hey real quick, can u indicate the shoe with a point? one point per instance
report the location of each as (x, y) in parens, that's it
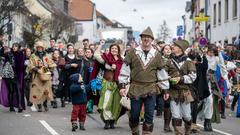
(63, 103)
(159, 114)
(74, 127)
(81, 126)
(167, 119)
(141, 121)
(112, 124)
(12, 109)
(45, 106)
(55, 104)
(208, 125)
(194, 128)
(223, 116)
(39, 108)
(52, 103)
(107, 125)
(29, 104)
(232, 107)
(20, 110)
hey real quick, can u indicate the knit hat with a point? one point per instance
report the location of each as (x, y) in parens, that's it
(39, 44)
(183, 44)
(147, 32)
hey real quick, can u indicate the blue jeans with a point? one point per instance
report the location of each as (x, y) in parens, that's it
(149, 106)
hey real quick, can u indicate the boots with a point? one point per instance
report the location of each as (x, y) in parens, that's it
(134, 128)
(11, 109)
(112, 122)
(208, 125)
(39, 106)
(147, 129)
(62, 103)
(29, 103)
(177, 123)
(187, 125)
(107, 124)
(194, 128)
(45, 106)
(167, 119)
(54, 103)
(74, 126)
(159, 114)
(81, 126)
(20, 110)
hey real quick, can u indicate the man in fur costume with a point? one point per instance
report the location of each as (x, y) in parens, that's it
(41, 87)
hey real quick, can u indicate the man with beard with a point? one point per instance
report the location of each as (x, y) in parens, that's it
(141, 66)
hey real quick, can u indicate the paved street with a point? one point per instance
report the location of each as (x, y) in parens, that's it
(56, 122)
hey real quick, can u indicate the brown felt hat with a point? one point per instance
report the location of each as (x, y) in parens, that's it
(147, 32)
(39, 44)
(183, 44)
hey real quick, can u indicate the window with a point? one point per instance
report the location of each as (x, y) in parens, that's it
(235, 8)
(66, 6)
(219, 12)
(214, 14)
(226, 10)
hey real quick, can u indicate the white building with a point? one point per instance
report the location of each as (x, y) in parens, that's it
(84, 11)
(225, 20)
(188, 23)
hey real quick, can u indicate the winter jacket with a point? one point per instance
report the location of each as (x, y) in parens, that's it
(78, 90)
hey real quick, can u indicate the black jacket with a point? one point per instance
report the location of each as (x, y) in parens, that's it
(201, 82)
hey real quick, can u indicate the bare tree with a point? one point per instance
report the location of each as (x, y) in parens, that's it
(164, 32)
(8, 8)
(57, 24)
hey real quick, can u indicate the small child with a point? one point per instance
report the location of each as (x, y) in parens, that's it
(79, 100)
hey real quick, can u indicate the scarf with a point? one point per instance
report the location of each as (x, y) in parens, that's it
(109, 59)
(40, 55)
(180, 58)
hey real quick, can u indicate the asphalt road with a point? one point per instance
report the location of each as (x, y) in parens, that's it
(57, 122)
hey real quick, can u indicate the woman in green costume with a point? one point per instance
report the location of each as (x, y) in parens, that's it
(109, 102)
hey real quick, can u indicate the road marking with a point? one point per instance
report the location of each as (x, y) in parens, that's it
(33, 108)
(26, 115)
(215, 130)
(49, 128)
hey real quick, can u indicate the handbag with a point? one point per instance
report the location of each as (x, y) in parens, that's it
(125, 101)
(7, 71)
(45, 76)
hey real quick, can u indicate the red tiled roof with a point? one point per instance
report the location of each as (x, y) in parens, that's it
(107, 21)
(81, 10)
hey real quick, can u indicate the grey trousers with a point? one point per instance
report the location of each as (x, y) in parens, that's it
(207, 110)
(181, 110)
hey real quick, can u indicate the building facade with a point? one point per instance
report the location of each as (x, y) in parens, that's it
(225, 21)
(84, 12)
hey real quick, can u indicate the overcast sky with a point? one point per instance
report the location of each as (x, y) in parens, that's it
(153, 11)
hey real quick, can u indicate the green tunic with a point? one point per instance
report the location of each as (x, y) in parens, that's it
(143, 77)
(113, 104)
(181, 91)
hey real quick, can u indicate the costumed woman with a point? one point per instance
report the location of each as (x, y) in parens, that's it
(109, 102)
(41, 86)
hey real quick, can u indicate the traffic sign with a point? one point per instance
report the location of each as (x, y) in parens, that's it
(203, 41)
(179, 30)
(201, 18)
